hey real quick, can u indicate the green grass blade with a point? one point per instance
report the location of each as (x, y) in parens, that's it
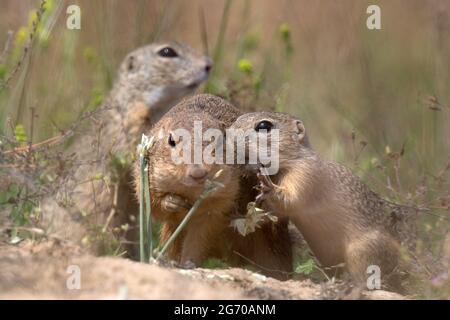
(141, 211)
(148, 211)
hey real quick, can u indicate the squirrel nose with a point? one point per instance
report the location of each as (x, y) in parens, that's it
(197, 172)
(208, 66)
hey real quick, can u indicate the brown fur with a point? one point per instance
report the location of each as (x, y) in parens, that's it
(208, 233)
(147, 85)
(341, 219)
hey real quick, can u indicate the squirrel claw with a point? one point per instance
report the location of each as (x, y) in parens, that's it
(188, 265)
(260, 197)
(265, 186)
(173, 204)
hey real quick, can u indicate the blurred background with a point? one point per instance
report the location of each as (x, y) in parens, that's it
(375, 100)
(315, 59)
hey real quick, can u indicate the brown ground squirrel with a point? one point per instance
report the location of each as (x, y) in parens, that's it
(151, 79)
(341, 219)
(175, 187)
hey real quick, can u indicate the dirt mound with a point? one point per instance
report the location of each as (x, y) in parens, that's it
(48, 269)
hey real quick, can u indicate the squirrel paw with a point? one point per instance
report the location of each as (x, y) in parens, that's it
(265, 186)
(174, 204)
(188, 265)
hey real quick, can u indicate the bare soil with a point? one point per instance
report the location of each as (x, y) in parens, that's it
(39, 270)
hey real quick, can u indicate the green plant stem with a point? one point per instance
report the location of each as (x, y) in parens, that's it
(219, 45)
(218, 50)
(185, 220)
(141, 211)
(148, 210)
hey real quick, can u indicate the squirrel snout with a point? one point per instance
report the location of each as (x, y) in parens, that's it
(197, 172)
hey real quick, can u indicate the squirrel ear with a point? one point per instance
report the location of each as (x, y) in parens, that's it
(301, 131)
(161, 134)
(130, 63)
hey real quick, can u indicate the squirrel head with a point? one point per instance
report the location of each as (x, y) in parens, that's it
(279, 137)
(160, 74)
(184, 156)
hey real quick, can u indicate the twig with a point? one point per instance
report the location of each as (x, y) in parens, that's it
(48, 142)
(280, 271)
(397, 175)
(94, 199)
(113, 209)
(30, 140)
(323, 272)
(209, 188)
(444, 170)
(35, 231)
(60, 138)
(261, 267)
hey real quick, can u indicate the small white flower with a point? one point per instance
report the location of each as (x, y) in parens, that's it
(145, 145)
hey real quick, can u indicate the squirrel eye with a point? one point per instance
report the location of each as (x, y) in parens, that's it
(264, 125)
(167, 52)
(172, 142)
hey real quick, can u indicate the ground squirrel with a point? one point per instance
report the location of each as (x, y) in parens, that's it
(151, 79)
(175, 187)
(341, 219)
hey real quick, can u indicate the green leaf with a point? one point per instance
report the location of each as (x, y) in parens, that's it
(285, 32)
(2, 71)
(15, 240)
(96, 99)
(90, 55)
(245, 66)
(4, 197)
(307, 267)
(13, 191)
(214, 263)
(20, 134)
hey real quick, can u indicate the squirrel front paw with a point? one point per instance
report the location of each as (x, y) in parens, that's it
(174, 204)
(188, 264)
(265, 186)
